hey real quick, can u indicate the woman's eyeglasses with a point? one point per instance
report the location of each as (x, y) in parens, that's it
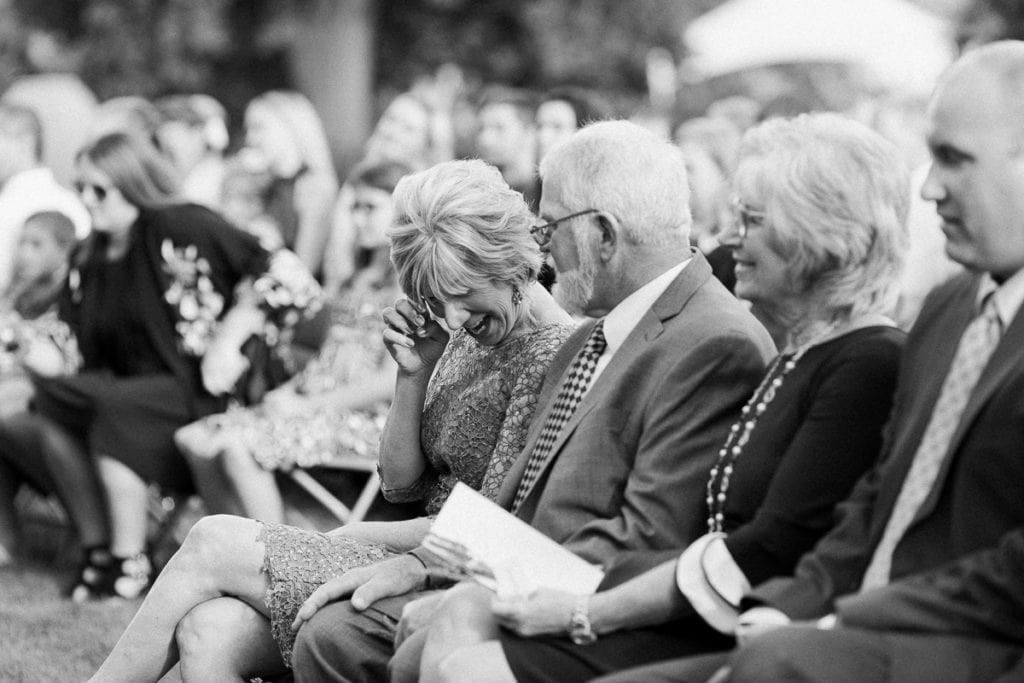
(746, 217)
(543, 233)
(98, 191)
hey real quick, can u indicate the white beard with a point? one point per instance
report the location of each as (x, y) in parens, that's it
(574, 290)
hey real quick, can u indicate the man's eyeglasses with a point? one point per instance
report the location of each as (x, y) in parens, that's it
(98, 191)
(543, 233)
(746, 217)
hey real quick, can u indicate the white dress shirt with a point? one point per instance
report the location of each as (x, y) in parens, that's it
(621, 320)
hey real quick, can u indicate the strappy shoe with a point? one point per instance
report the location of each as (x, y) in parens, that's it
(124, 577)
(97, 563)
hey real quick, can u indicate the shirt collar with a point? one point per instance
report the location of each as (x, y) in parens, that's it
(1007, 297)
(621, 320)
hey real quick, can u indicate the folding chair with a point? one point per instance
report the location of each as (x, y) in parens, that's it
(350, 463)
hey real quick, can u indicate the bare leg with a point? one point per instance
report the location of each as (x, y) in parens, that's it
(464, 620)
(411, 637)
(220, 556)
(254, 486)
(127, 500)
(481, 663)
(404, 666)
(225, 639)
(201, 447)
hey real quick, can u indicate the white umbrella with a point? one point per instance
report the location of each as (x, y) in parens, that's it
(900, 44)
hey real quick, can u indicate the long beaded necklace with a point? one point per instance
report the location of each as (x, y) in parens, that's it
(739, 433)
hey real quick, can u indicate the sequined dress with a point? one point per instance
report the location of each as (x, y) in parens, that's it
(478, 407)
(352, 350)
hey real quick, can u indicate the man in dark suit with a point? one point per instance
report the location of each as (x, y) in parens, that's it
(916, 549)
(636, 403)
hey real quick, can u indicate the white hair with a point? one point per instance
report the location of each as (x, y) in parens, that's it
(836, 196)
(628, 171)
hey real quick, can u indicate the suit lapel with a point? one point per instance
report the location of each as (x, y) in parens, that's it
(546, 401)
(650, 326)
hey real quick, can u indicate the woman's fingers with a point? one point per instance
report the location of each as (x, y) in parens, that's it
(395, 337)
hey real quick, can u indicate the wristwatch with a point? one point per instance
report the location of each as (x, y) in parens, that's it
(580, 630)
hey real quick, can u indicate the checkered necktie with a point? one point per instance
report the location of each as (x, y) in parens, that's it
(976, 346)
(569, 396)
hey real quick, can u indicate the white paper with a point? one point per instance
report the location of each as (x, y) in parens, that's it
(512, 550)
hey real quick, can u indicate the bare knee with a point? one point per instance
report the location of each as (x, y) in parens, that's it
(196, 634)
(484, 664)
(197, 440)
(465, 615)
(238, 462)
(220, 541)
(466, 602)
(225, 639)
(418, 614)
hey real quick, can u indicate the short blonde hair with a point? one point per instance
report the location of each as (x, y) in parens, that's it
(457, 226)
(835, 196)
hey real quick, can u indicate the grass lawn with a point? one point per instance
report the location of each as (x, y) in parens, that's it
(44, 637)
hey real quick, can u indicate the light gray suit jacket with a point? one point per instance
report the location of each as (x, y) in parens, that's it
(628, 470)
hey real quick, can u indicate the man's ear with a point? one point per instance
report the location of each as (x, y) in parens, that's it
(610, 235)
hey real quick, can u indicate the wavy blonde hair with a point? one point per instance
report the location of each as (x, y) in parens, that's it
(835, 196)
(458, 225)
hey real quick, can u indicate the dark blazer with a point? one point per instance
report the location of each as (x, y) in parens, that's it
(977, 496)
(628, 470)
(978, 596)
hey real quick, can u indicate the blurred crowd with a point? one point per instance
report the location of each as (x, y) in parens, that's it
(673, 347)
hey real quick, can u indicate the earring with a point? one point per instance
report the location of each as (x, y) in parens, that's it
(517, 296)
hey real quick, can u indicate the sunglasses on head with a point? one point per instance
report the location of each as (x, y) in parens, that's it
(98, 191)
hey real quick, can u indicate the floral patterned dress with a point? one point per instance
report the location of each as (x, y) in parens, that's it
(143, 322)
(479, 405)
(352, 350)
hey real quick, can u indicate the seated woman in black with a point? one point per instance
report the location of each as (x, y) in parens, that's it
(151, 298)
(818, 240)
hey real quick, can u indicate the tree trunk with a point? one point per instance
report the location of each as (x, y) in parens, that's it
(332, 61)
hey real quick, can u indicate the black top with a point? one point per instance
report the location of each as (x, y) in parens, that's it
(822, 431)
(118, 325)
(152, 310)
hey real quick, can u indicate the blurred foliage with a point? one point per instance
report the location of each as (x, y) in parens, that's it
(235, 48)
(602, 44)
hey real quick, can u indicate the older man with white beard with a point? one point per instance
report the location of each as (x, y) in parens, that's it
(636, 403)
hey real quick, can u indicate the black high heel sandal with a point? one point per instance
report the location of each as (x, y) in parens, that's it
(113, 577)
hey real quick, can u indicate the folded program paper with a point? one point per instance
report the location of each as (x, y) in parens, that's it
(485, 541)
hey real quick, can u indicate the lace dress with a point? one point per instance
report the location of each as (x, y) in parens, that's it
(479, 405)
(352, 350)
